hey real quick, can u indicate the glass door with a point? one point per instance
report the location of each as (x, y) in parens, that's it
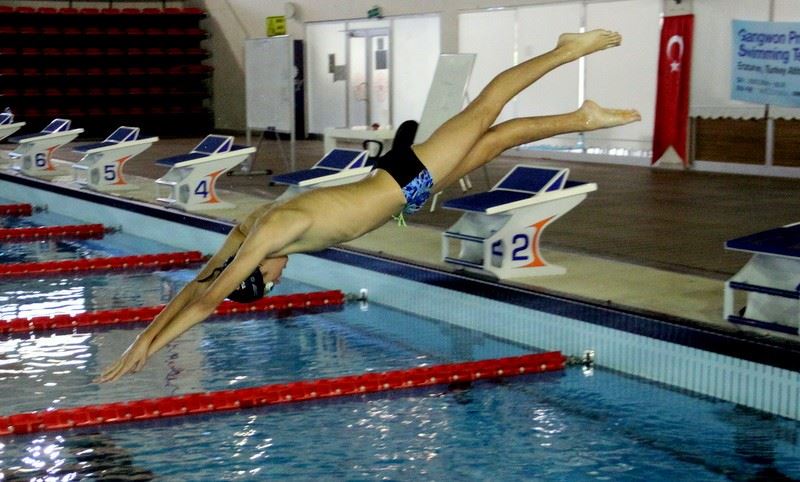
(369, 74)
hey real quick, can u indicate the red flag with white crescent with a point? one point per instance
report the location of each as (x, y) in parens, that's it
(672, 98)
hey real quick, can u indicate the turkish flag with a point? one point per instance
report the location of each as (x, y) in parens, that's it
(672, 98)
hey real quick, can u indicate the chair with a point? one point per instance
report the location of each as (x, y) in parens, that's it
(771, 280)
(500, 229)
(101, 167)
(35, 151)
(192, 177)
(339, 166)
(7, 125)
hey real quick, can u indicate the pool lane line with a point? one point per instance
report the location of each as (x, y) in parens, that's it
(116, 263)
(123, 316)
(38, 233)
(281, 393)
(16, 210)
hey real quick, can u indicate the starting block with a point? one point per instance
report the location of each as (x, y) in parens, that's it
(500, 229)
(338, 166)
(7, 125)
(35, 151)
(101, 166)
(771, 281)
(190, 182)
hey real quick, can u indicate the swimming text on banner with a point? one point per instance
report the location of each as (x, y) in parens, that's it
(765, 64)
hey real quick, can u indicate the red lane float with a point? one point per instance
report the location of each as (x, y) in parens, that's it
(46, 232)
(199, 403)
(16, 209)
(150, 261)
(147, 313)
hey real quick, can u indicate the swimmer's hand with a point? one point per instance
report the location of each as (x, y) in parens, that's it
(131, 361)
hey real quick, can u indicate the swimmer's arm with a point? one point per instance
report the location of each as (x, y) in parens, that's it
(268, 238)
(194, 289)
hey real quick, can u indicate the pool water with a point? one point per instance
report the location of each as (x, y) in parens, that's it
(574, 425)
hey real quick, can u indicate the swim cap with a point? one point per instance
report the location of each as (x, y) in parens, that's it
(252, 289)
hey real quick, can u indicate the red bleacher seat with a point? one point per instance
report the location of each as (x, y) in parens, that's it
(131, 11)
(5, 9)
(92, 52)
(28, 30)
(114, 31)
(30, 72)
(93, 30)
(75, 112)
(73, 92)
(154, 52)
(73, 72)
(110, 11)
(73, 52)
(151, 11)
(51, 30)
(155, 71)
(114, 52)
(8, 72)
(193, 11)
(94, 72)
(47, 10)
(25, 10)
(68, 11)
(89, 11)
(51, 52)
(9, 93)
(53, 72)
(95, 111)
(116, 91)
(72, 31)
(53, 92)
(95, 92)
(8, 30)
(134, 31)
(115, 71)
(173, 11)
(31, 92)
(135, 52)
(154, 32)
(30, 52)
(6, 51)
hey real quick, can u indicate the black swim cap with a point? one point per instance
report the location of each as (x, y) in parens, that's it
(251, 289)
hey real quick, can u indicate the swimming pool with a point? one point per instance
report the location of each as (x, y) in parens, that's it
(575, 425)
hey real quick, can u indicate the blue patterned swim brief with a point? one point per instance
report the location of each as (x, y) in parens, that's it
(417, 192)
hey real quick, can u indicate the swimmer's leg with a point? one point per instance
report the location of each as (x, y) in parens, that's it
(451, 142)
(529, 129)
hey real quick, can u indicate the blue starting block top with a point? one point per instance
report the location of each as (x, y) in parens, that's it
(122, 134)
(6, 118)
(482, 201)
(335, 161)
(212, 144)
(56, 125)
(522, 182)
(784, 241)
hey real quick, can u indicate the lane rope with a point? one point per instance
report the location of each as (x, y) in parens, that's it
(16, 210)
(116, 263)
(273, 394)
(145, 314)
(49, 232)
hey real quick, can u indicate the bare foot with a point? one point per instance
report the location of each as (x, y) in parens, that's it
(577, 45)
(596, 117)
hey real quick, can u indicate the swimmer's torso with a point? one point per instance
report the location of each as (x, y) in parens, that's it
(340, 213)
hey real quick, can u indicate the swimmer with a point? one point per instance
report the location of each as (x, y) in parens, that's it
(253, 256)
